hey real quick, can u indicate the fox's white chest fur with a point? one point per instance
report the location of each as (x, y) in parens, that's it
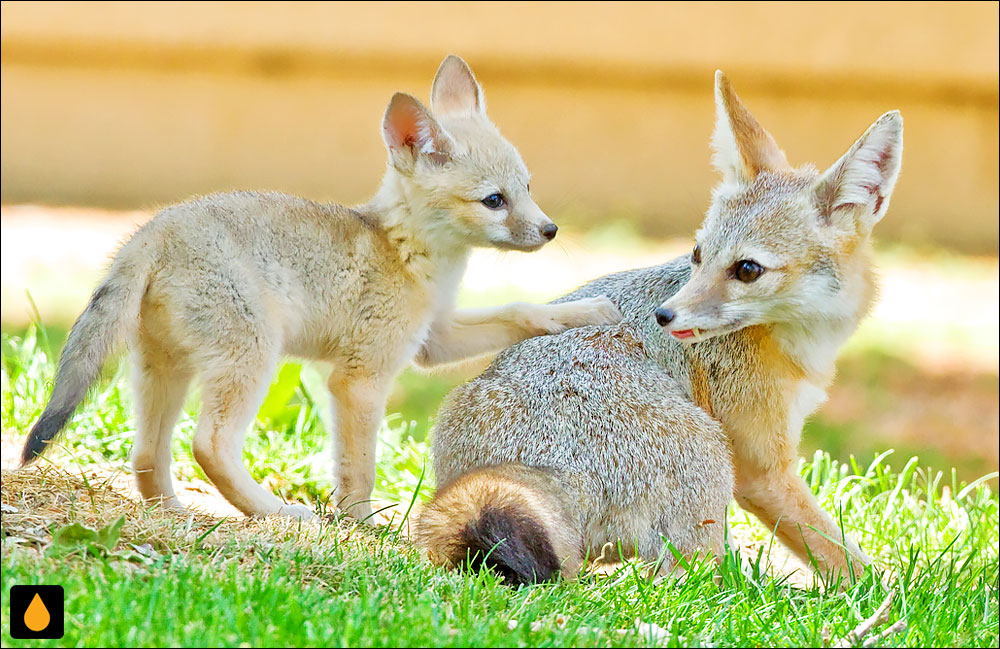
(441, 288)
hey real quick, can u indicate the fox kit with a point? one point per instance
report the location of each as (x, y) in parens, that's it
(644, 430)
(219, 288)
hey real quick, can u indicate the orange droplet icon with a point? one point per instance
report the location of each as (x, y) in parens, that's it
(37, 616)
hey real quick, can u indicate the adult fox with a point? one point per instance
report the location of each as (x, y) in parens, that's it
(644, 431)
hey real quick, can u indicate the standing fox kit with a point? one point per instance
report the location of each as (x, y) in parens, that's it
(645, 430)
(219, 288)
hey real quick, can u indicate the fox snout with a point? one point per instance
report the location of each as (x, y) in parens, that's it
(665, 318)
(527, 228)
(546, 231)
(692, 319)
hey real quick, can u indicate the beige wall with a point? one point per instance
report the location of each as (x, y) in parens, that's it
(138, 104)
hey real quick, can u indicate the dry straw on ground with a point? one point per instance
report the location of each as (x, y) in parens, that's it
(38, 501)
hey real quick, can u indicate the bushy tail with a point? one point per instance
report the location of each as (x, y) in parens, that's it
(510, 518)
(112, 311)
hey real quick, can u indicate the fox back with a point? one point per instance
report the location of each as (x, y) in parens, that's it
(628, 456)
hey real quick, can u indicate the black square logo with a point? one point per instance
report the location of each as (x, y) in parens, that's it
(36, 612)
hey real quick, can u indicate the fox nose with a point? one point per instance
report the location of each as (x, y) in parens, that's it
(549, 231)
(664, 316)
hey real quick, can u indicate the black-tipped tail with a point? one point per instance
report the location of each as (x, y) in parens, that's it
(113, 309)
(509, 517)
(511, 543)
(44, 431)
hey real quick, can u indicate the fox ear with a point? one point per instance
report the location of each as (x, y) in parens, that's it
(742, 147)
(455, 91)
(409, 131)
(863, 179)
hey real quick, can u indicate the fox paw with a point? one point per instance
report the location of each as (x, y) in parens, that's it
(298, 512)
(557, 318)
(590, 311)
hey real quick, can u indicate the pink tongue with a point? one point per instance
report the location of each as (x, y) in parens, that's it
(683, 333)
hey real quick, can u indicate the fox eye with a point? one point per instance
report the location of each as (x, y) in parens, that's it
(494, 201)
(747, 270)
(696, 255)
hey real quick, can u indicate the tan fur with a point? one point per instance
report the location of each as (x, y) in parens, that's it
(701, 388)
(757, 356)
(221, 287)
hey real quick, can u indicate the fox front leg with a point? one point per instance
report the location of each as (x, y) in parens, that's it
(359, 405)
(473, 332)
(782, 500)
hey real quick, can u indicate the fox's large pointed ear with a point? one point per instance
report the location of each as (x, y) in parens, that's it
(743, 149)
(410, 131)
(860, 183)
(455, 91)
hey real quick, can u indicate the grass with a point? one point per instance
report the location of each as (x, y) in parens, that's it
(196, 580)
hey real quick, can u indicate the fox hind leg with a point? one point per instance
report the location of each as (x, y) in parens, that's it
(161, 382)
(159, 398)
(230, 399)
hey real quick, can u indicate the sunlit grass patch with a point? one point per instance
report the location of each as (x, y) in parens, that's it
(195, 579)
(287, 448)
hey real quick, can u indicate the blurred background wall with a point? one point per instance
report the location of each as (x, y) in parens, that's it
(130, 105)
